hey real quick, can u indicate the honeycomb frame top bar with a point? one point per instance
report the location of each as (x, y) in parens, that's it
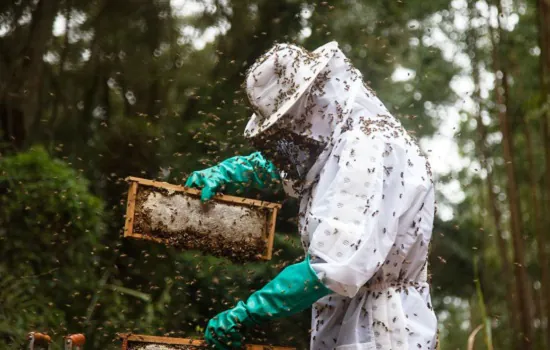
(197, 192)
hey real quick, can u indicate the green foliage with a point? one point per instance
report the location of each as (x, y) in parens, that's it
(50, 227)
(23, 307)
(46, 207)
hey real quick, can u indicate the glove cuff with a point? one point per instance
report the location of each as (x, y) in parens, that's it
(296, 288)
(244, 317)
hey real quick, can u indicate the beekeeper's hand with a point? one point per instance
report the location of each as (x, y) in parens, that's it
(209, 180)
(294, 289)
(234, 175)
(224, 330)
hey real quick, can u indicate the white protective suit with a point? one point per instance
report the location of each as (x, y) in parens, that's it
(366, 217)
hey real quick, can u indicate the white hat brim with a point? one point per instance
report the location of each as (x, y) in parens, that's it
(257, 125)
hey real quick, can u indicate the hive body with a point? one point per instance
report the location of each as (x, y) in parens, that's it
(146, 346)
(148, 342)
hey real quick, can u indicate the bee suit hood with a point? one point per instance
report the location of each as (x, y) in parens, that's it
(302, 101)
(366, 196)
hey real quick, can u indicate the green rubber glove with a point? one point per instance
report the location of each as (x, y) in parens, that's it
(294, 289)
(234, 175)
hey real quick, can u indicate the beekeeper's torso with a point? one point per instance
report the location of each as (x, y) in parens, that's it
(367, 203)
(368, 222)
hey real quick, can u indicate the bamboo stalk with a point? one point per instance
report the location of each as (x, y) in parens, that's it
(481, 301)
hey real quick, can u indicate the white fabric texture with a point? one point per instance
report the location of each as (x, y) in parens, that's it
(368, 223)
(279, 78)
(366, 217)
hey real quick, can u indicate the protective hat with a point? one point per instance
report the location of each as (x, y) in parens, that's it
(277, 80)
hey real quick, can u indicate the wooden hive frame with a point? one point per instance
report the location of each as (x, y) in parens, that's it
(127, 339)
(136, 183)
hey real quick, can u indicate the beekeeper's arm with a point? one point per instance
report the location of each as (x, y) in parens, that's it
(235, 175)
(347, 235)
(294, 289)
(357, 215)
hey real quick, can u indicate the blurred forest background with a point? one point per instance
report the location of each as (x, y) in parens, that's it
(92, 91)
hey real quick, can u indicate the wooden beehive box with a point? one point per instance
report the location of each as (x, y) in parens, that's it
(148, 342)
(241, 229)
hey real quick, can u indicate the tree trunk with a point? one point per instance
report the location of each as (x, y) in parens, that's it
(539, 228)
(544, 37)
(152, 19)
(19, 92)
(59, 93)
(492, 202)
(522, 283)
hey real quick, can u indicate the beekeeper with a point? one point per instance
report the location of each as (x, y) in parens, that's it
(366, 206)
